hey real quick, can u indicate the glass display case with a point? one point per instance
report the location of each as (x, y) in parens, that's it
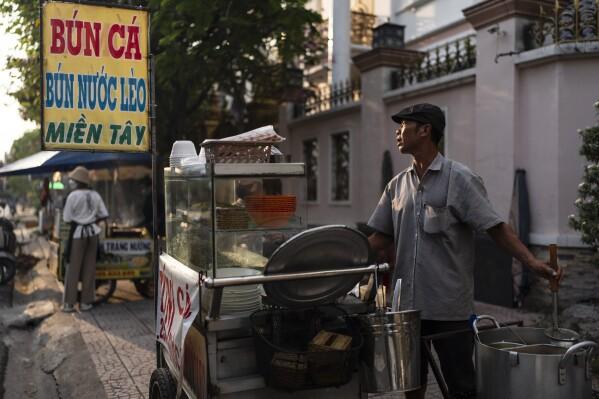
(225, 220)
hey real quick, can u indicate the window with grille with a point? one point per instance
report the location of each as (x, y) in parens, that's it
(340, 148)
(310, 148)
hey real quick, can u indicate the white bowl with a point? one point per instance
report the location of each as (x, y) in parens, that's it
(183, 149)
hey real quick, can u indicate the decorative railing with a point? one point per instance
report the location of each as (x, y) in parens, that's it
(440, 61)
(563, 22)
(361, 27)
(328, 97)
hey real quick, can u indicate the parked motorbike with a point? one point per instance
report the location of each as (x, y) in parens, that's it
(8, 246)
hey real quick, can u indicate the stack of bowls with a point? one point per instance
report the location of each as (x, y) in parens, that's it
(240, 299)
(271, 210)
(181, 149)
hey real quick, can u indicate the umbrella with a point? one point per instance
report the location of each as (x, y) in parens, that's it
(51, 161)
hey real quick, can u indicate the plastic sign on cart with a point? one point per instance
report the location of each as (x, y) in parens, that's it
(178, 296)
(95, 87)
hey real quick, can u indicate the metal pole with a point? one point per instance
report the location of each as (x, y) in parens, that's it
(155, 175)
(41, 59)
(210, 282)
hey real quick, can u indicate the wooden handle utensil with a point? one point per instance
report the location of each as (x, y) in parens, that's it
(553, 284)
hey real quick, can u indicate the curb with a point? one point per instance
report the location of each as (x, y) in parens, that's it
(58, 345)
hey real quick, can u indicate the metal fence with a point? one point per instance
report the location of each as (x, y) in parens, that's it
(328, 97)
(443, 60)
(565, 21)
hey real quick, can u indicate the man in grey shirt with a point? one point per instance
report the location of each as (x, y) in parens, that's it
(430, 212)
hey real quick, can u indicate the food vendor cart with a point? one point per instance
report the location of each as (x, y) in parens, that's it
(251, 304)
(126, 244)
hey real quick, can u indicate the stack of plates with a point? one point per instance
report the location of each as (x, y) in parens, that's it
(240, 299)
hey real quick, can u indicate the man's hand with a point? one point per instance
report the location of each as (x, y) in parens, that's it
(505, 237)
(544, 270)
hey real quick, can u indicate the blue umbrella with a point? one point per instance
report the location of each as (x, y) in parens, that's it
(52, 161)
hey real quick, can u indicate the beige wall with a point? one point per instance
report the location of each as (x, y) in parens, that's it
(556, 99)
(371, 133)
(321, 127)
(536, 148)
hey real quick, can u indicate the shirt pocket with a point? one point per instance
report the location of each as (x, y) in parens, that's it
(436, 219)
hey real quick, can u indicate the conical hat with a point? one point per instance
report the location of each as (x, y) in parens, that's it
(80, 174)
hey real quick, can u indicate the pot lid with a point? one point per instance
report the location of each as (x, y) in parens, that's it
(321, 248)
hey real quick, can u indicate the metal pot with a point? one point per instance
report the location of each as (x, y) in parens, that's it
(391, 352)
(535, 368)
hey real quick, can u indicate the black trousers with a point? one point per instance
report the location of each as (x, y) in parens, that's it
(455, 355)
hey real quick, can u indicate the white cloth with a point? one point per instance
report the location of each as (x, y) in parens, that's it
(84, 207)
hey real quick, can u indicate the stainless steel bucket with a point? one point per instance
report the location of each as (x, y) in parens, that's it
(534, 368)
(391, 352)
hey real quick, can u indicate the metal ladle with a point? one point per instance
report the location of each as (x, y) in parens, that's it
(396, 296)
(554, 332)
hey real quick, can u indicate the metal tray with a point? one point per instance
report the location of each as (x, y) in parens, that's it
(322, 248)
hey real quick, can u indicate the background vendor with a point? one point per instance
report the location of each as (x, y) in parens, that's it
(84, 208)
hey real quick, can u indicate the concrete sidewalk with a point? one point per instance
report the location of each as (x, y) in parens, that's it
(110, 350)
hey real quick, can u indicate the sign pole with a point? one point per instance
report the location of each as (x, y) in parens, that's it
(155, 179)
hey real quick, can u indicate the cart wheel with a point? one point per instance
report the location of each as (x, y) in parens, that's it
(145, 287)
(104, 290)
(162, 385)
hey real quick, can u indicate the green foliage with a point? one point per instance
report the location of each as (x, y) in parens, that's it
(24, 21)
(587, 203)
(27, 144)
(220, 64)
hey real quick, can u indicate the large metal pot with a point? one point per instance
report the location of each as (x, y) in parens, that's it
(391, 352)
(533, 367)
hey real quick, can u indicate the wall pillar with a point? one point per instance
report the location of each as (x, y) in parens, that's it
(499, 26)
(341, 35)
(375, 69)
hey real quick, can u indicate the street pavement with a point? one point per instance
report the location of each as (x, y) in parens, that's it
(119, 339)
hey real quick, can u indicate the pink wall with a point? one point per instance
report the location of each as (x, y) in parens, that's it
(322, 127)
(555, 100)
(368, 142)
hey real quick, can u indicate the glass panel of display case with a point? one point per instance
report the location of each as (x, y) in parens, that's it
(188, 220)
(254, 215)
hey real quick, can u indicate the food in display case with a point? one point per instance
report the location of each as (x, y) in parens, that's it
(234, 218)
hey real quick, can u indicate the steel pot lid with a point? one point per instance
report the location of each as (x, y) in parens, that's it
(321, 248)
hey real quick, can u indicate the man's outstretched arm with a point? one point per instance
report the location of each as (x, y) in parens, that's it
(505, 237)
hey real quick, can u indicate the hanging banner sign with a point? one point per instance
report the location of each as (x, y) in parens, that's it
(95, 85)
(178, 305)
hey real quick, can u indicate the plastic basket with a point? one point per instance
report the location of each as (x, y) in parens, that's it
(286, 334)
(219, 151)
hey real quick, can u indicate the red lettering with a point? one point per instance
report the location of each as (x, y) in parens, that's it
(114, 30)
(57, 41)
(133, 43)
(179, 300)
(92, 36)
(74, 45)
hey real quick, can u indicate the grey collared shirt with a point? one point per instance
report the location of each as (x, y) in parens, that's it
(432, 221)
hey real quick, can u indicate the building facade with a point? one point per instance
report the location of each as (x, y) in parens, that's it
(516, 79)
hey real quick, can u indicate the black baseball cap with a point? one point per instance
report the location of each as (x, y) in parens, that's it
(423, 113)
